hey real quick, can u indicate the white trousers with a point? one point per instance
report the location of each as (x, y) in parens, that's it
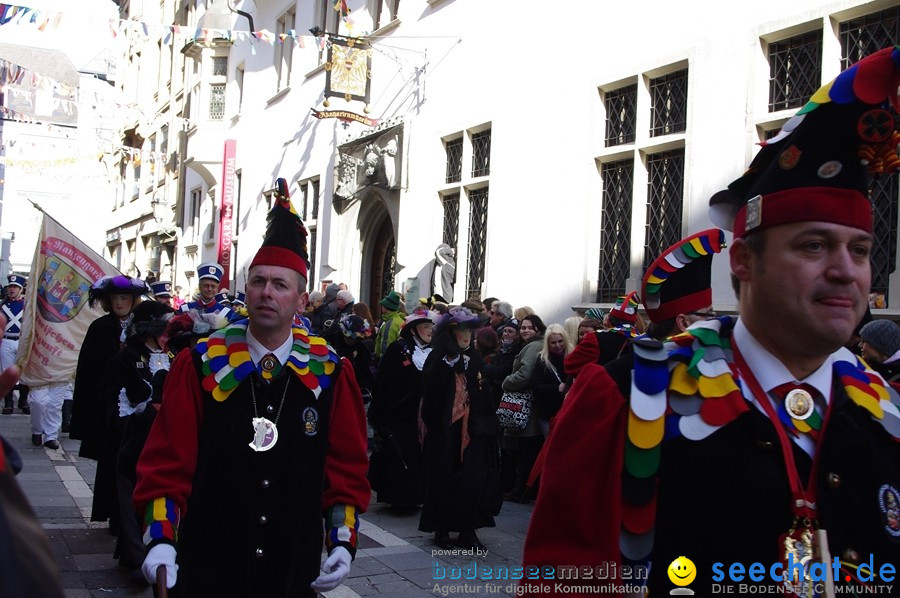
(46, 409)
(8, 348)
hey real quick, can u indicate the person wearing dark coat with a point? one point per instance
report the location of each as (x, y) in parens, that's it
(90, 407)
(458, 462)
(346, 340)
(129, 383)
(396, 470)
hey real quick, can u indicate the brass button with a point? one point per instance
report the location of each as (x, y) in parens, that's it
(263, 519)
(850, 556)
(259, 552)
(765, 445)
(270, 409)
(833, 480)
(264, 483)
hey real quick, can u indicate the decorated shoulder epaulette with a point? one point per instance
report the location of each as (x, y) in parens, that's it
(227, 362)
(689, 387)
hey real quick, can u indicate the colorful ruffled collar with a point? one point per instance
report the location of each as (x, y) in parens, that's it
(688, 387)
(227, 361)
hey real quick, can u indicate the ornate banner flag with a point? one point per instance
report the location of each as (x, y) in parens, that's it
(57, 315)
(348, 70)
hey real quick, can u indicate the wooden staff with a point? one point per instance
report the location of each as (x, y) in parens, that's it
(161, 590)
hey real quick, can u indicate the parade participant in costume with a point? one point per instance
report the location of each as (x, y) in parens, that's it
(708, 457)
(13, 308)
(209, 276)
(454, 410)
(605, 345)
(117, 295)
(391, 322)
(162, 292)
(261, 432)
(396, 468)
(129, 385)
(346, 339)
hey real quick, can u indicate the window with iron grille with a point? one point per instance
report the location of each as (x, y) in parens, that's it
(315, 199)
(478, 214)
(621, 112)
(313, 237)
(884, 243)
(304, 188)
(219, 66)
(216, 101)
(481, 153)
(867, 34)
(454, 149)
(665, 192)
(451, 220)
(795, 70)
(860, 37)
(668, 97)
(615, 229)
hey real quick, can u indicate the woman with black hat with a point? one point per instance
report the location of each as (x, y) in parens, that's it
(457, 421)
(133, 380)
(117, 295)
(395, 470)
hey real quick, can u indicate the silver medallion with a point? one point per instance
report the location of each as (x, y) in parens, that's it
(265, 434)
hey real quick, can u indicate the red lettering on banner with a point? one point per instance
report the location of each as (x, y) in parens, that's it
(225, 210)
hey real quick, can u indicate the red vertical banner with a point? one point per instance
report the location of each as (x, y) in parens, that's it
(226, 226)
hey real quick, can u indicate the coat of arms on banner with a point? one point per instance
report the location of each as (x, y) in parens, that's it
(63, 286)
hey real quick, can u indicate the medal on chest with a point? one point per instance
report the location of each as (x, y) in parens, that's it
(265, 431)
(799, 404)
(265, 434)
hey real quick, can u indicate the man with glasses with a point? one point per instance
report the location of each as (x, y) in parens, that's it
(500, 314)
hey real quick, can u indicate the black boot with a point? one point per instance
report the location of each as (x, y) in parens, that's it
(442, 540)
(469, 540)
(23, 399)
(66, 416)
(8, 404)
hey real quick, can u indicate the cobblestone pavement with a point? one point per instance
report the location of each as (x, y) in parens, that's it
(393, 559)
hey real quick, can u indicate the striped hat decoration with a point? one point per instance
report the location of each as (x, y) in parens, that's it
(626, 307)
(678, 281)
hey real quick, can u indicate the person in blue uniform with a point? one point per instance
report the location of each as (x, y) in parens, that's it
(757, 439)
(13, 307)
(162, 292)
(209, 276)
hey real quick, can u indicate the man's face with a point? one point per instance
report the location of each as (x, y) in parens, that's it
(121, 303)
(807, 290)
(13, 292)
(688, 319)
(164, 300)
(496, 316)
(208, 289)
(869, 353)
(340, 302)
(273, 297)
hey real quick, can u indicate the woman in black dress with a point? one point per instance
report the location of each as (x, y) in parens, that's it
(91, 414)
(458, 422)
(395, 469)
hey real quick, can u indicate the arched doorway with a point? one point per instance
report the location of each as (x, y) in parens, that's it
(383, 264)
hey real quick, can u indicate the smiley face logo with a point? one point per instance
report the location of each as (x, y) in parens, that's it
(682, 571)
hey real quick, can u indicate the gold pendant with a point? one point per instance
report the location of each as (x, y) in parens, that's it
(265, 434)
(799, 403)
(798, 547)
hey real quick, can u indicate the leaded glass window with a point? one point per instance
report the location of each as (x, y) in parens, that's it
(615, 230)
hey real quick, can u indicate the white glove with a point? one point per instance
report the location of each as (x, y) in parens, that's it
(335, 570)
(161, 554)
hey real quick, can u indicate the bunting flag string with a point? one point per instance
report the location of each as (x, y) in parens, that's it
(14, 74)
